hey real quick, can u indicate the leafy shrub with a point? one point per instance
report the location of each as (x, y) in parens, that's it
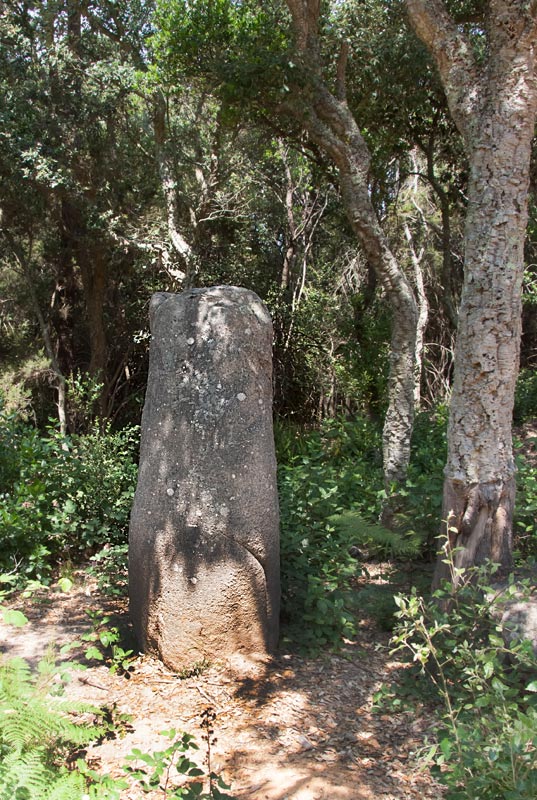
(62, 498)
(331, 493)
(161, 769)
(110, 566)
(96, 482)
(525, 528)
(420, 495)
(106, 645)
(526, 396)
(330, 471)
(377, 601)
(487, 738)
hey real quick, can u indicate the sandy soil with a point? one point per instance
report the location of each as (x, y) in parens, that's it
(293, 729)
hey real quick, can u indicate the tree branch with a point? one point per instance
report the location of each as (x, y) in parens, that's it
(341, 75)
(454, 58)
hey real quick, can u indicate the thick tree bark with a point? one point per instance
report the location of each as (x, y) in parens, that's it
(169, 187)
(494, 106)
(330, 124)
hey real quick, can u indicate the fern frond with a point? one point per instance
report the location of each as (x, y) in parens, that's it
(28, 720)
(24, 772)
(375, 538)
(66, 786)
(36, 729)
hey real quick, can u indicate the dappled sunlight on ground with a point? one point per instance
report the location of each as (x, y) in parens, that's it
(294, 728)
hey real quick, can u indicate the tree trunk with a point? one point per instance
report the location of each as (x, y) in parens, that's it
(423, 313)
(480, 473)
(330, 124)
(399, 418)
(494, 106)
(94, 274)
(169, 187)
(349, 153)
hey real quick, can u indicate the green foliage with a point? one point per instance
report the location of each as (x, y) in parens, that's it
(37, 734)
(110, 567)
(97, 479)
(83, 393)
(10, 616)
(324, 473)
(374, 539)
(173, 772)
(105, 644)
(524, 522)
(62, 497)
(331, 493)
(241, 46)
(420, 495)
(525, 396)
(487, 739)
(41, 732)
(377, 602)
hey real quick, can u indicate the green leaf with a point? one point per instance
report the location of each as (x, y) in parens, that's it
(94, 653)
(12, 617)
(488, 669)
(445, 747)
(69, 507)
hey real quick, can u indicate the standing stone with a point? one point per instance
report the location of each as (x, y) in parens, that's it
(204, 532)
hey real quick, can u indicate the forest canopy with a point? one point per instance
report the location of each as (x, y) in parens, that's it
(327, 156)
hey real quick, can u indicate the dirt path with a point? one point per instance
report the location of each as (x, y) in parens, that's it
(294, 729)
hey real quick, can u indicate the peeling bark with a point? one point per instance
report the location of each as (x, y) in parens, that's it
(494, 105)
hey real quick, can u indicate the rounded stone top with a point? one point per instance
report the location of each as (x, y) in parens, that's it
(211, 295)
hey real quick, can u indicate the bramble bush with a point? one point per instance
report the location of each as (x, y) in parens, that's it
(62, 498)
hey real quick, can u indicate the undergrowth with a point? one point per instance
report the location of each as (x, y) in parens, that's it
(43, 736)
(41, 733)
(484, 679)
(66, 499)
(331, 494)
(62, 498)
